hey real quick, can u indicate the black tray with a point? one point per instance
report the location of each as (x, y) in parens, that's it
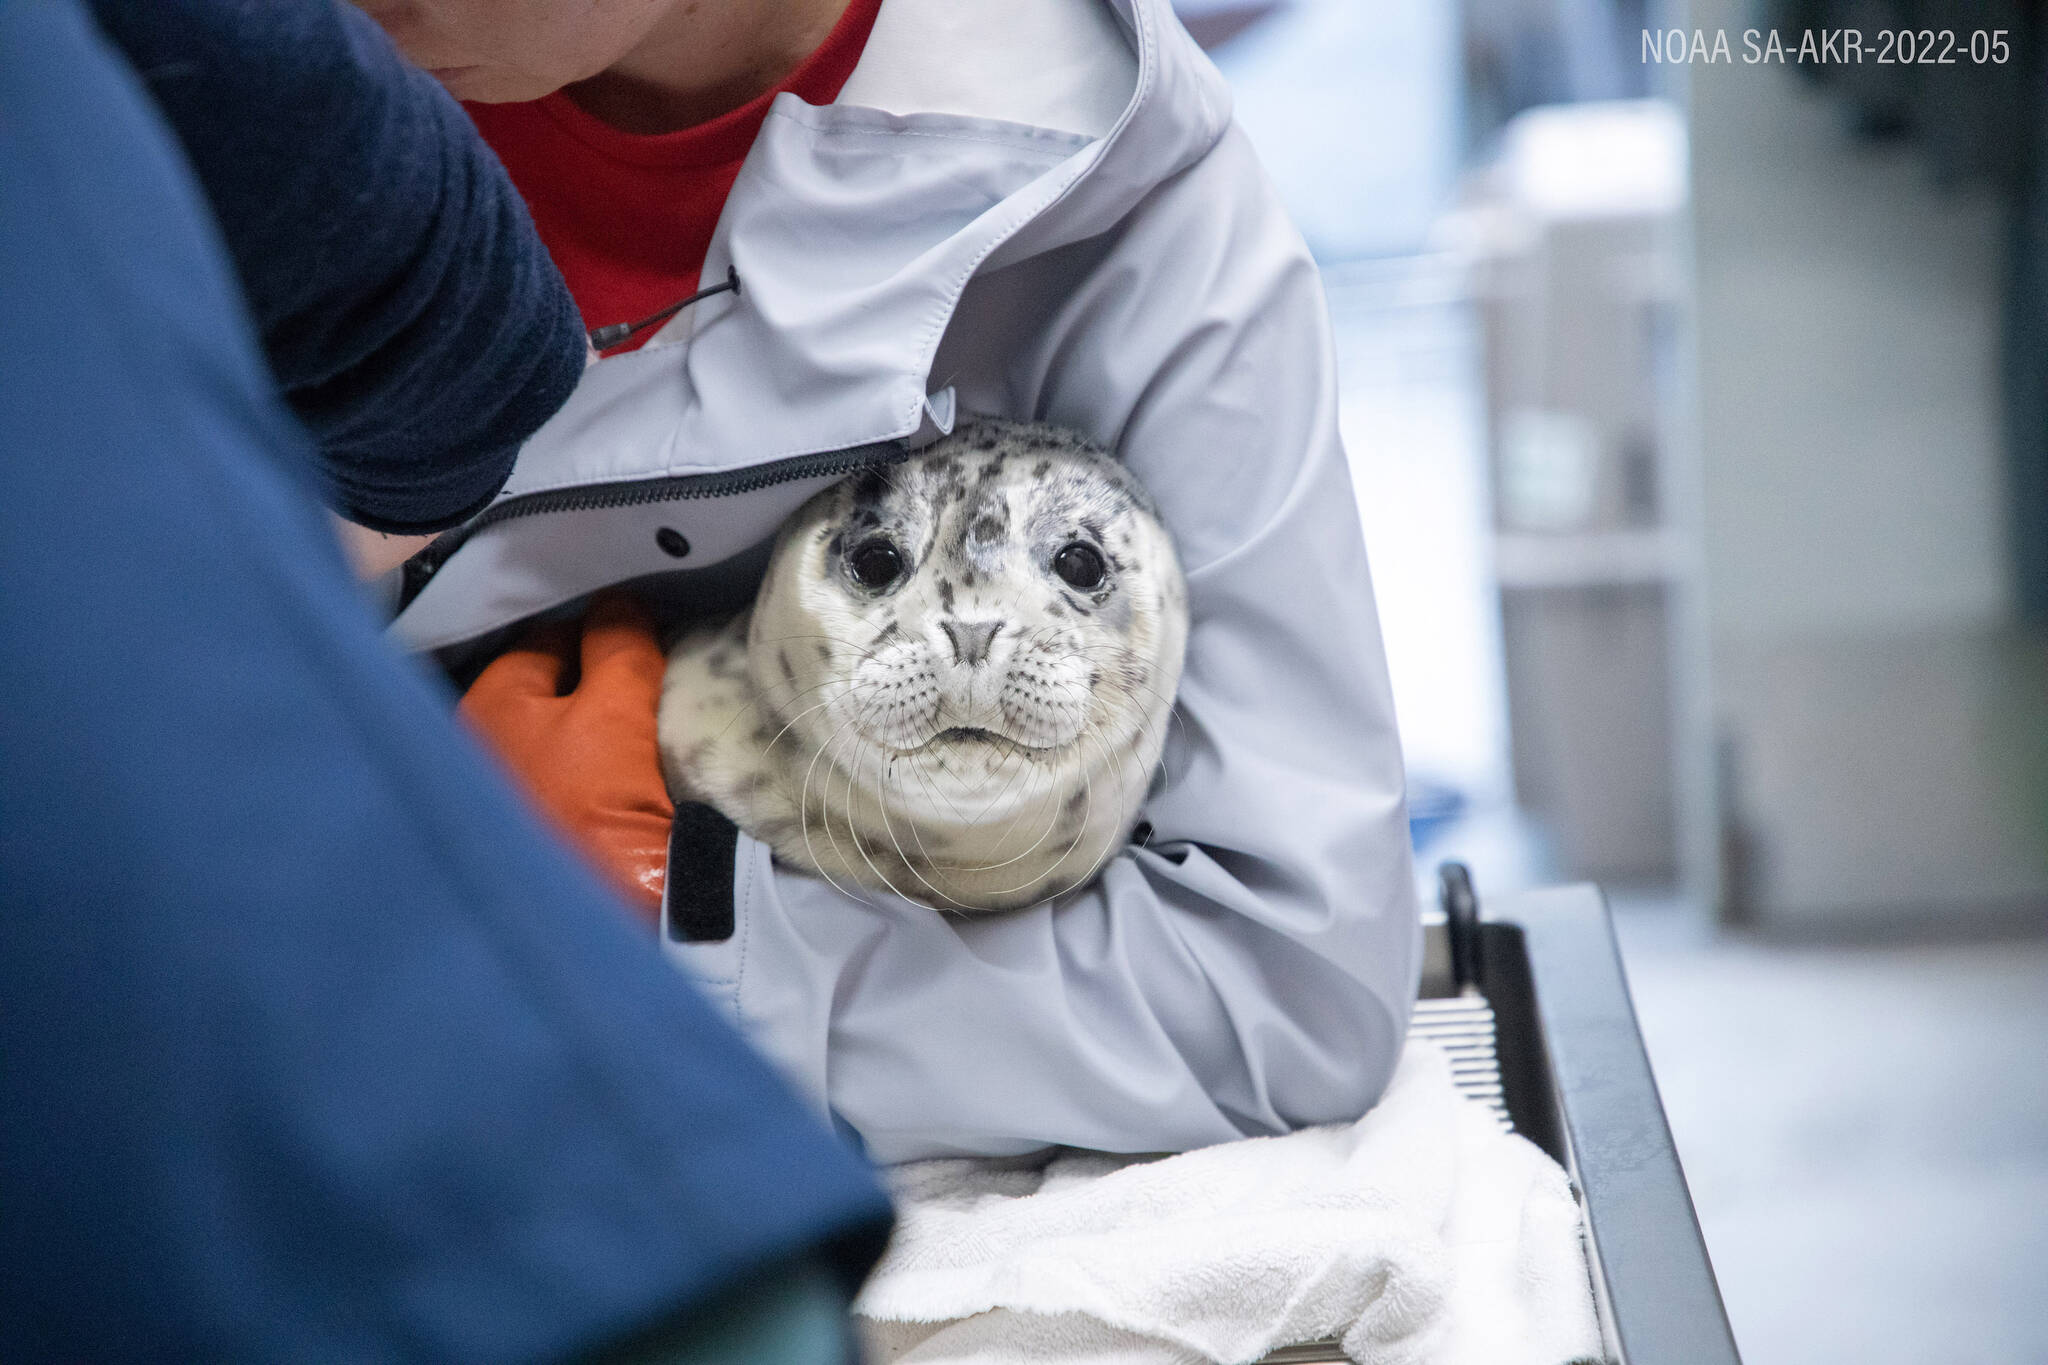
(1529, 1001)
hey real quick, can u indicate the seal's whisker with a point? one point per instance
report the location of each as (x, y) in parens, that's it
(825, 819)
(1051, 791)
(977, 867)
(1170, 708)
(996, 866)
(1087, 787)
(951, 804)
(825, 815)
(911, 864)
(1110, 846)
(939, 797)
(853, 831)
(848, 689)
(1070, 692)
(777, 709)
(862, 652)
(1022, 765)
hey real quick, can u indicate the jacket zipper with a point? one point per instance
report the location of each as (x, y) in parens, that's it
(679, 488)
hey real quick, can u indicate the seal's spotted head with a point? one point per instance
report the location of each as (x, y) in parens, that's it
(992, 629)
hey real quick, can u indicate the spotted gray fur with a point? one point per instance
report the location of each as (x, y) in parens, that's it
(976, 733)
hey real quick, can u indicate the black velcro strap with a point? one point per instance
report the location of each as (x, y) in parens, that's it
(698, 903)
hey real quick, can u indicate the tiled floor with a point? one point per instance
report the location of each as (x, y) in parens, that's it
(1865, 1130)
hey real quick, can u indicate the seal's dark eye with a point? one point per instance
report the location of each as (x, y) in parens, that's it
(875, 563)
(1080, 564)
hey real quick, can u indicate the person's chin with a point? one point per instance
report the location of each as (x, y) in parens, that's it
(487, 84)
(463, 82)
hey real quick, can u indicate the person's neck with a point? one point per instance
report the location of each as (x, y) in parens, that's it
(703, 59)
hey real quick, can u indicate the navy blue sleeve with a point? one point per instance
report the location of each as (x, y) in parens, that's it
(314, 1045)
(407, 307)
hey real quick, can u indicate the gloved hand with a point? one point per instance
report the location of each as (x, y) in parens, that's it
(588, 757)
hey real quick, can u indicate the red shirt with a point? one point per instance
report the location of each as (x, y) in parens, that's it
(628, 216)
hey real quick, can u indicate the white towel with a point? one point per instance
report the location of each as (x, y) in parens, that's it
(1420, 1235)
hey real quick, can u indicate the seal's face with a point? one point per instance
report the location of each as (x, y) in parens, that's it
(986, 629)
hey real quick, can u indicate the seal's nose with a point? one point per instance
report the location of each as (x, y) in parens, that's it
(971, 639)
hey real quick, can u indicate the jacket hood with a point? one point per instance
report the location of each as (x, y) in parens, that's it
(1166, 103)
(968, 138)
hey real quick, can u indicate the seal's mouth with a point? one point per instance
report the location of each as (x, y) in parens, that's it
(973, 734)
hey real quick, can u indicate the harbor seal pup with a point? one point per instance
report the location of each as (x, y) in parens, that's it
(955, 679)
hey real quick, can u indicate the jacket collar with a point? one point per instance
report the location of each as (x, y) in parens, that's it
(855, 227)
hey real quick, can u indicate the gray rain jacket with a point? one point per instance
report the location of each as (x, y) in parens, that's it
(1040, 210)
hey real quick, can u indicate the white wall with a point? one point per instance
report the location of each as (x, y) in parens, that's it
(1881, 717)
(1848, 322)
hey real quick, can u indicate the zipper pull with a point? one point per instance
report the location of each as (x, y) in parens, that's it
(618, 333)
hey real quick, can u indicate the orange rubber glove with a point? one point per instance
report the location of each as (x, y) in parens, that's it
(589, 756)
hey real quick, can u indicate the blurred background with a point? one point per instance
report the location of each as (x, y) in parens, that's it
(1698, 413)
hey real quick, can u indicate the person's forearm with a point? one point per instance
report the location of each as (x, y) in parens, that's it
(1253, 968)
(1171, 1006)
(407, 308)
